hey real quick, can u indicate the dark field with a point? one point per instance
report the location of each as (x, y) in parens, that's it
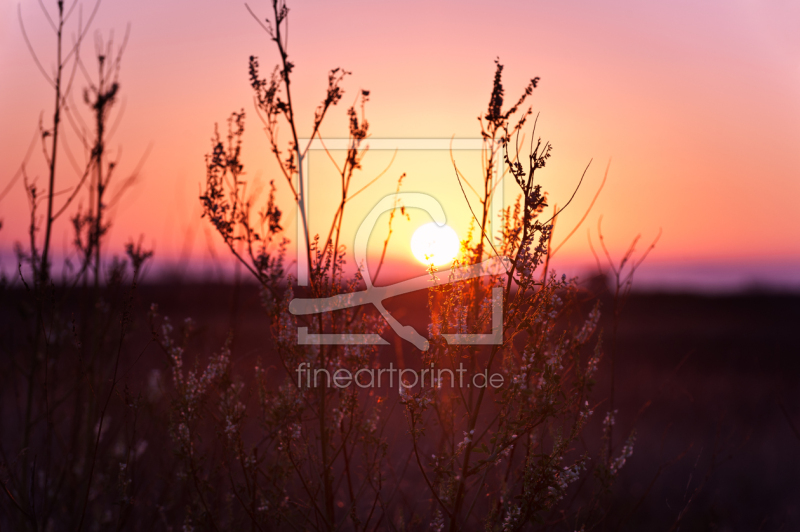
(742, 361)
(711, 384)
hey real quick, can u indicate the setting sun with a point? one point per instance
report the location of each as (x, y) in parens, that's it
(432, 244)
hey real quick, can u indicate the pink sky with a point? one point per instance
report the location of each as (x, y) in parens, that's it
(697, 104)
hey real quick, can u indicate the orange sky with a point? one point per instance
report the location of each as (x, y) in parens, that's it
(697, 104)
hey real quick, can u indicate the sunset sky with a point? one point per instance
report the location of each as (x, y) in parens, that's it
(697, 104)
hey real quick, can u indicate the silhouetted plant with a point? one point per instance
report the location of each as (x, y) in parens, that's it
(70, 448)
(322, 460)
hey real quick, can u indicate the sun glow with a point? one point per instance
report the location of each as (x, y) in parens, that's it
(432, 244)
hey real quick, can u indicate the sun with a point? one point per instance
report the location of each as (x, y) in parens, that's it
(433, 244)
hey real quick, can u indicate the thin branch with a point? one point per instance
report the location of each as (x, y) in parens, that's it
(19, 172)
(588, 210)
(473, 213)
(573, 194)
(31, 50)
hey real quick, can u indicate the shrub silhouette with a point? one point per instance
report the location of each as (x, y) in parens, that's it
(67, 360)
(500, 459)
